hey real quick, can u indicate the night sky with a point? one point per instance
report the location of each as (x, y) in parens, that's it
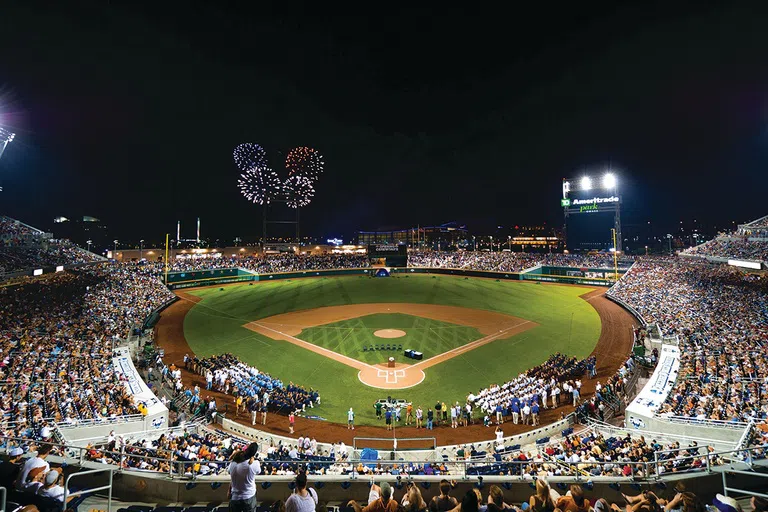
(424, 116)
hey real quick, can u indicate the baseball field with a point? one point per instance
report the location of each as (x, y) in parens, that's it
(336, 334)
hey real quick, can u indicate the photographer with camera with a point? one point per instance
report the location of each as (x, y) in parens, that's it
(243, 470)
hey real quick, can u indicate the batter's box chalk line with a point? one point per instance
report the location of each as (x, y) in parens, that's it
(391, 376)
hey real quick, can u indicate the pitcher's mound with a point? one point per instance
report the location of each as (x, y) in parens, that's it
(389, 333)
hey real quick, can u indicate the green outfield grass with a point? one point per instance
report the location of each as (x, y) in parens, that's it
(349, 337)
(567, 324)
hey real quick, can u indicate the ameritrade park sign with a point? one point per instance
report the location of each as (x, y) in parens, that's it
(595, 200)
(588, 205)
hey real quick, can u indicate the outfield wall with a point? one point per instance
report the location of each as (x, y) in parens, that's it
(181, 280)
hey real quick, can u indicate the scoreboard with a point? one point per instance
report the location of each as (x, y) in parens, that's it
(393, 255)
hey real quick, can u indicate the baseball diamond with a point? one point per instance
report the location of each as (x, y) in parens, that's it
(472, 332)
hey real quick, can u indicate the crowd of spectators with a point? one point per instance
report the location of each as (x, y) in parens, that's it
(614, 391)
(271, 263)
(56, 336)
(721, 317)
(732, 247)
(507, 261)
(24, 248)
(50, 253)
(183, 452)
(14, 233)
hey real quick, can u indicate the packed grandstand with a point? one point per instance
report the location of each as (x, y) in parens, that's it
(58, 333)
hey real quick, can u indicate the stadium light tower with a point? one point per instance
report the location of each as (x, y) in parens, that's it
(593, 194)
(6, 136)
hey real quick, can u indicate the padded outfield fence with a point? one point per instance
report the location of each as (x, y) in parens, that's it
(194, 279)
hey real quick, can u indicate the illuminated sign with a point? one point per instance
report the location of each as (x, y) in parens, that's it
(595, 200)
(565, 203)
(335, 241)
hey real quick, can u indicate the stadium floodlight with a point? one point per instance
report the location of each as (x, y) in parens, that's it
(586, 183)
(609, 180)
(6, 136)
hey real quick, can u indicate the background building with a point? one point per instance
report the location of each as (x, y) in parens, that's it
(82, 230)
(443, 237)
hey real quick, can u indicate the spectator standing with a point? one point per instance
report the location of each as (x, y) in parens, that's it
(243, 471)
(303, 499)
(350, 419)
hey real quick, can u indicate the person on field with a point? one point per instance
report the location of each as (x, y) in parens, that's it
(350, 419)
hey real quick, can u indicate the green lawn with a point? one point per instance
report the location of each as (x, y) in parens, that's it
(430, 337)
(567, 324)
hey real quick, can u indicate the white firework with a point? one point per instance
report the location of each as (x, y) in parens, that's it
(298, 191)
(259, 185)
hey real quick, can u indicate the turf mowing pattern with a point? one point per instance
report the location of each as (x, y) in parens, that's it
(567, 324)
(430, 337)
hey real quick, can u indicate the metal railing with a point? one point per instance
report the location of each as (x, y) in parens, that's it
(703, 422)
(128, 418)
(491, 464)
(68, 494)
(726, 489)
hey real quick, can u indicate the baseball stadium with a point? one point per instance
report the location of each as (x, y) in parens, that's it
(492, 367)
(499, 362)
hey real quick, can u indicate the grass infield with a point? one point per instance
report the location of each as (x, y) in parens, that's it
(567, 324)
(351, 337)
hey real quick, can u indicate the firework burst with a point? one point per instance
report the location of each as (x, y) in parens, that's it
(249, 156)
(259, 185)
(299, 191)
(306, 162)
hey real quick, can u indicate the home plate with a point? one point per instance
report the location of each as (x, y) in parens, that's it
(388, 378)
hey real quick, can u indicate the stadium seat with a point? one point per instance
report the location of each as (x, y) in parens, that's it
(140, 508)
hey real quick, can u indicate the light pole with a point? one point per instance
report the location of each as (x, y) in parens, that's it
(89, 242)
(141, 250)
(646, 250)
(474, 244)
(114, 252)
(491, 244)
(669, 237)
(5, 137)
(509, 242)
